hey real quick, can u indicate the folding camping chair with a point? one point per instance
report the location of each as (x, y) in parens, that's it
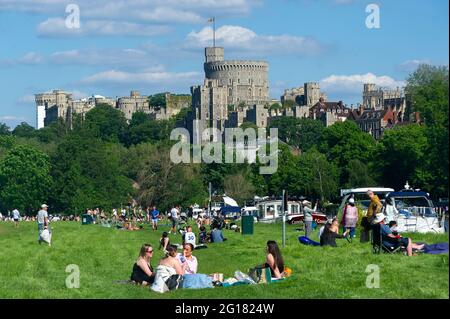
(377, 242)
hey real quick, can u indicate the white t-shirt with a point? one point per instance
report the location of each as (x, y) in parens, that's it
(174, 212)
(41, 216)
(16, 214)
(189, 238)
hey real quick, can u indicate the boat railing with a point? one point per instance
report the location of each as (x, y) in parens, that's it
(416, 211)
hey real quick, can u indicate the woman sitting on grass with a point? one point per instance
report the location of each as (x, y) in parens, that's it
(274, 260)
(142, 270)
(330, 233)
(168, 267)
(164, 241)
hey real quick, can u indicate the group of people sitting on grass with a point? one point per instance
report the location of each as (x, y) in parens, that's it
(176, 265)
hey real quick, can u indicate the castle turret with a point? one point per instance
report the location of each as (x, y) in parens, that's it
(214, 54)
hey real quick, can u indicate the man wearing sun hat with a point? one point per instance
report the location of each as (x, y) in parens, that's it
(390, 239)
(42, 220)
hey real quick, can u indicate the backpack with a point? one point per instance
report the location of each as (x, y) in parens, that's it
(174, 282)
(260, 275)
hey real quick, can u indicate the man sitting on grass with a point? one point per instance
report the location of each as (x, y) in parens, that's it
(391, 240)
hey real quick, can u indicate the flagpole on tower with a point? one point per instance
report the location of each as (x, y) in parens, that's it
(214, 32)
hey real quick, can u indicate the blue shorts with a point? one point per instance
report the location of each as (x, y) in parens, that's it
(155, 220)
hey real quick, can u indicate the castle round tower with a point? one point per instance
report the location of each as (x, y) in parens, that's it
(246, 80)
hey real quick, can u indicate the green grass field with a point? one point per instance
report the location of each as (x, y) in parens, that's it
(105, 255)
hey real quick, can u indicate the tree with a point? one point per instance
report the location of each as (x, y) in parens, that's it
(163, 183)
(428, 90)
(24, 130)
(158, 100)
(25, 179)
(105, 122)
(4, 129)
(53, 132)
(239, 187)
(301, 133)
(400, 156)
(359, 175)
(287, 104)
(317, 175)
(343, 142)
(87, 173)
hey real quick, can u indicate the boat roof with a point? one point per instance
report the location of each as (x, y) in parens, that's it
(407, 194)
(363, 190)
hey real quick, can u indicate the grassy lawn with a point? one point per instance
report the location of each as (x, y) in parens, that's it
(104, 255)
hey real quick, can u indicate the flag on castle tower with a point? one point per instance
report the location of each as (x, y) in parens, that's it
(210, 20)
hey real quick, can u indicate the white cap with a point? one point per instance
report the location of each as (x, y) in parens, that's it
(351, 201)
(305, 202)
(44, 206)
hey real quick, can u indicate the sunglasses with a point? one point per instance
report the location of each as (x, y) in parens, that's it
(149, 251)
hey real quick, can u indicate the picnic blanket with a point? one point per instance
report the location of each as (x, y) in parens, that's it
(439, 248)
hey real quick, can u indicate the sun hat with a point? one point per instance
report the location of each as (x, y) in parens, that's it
(379, 218)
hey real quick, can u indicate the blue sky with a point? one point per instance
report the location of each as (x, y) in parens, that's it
(157, 45)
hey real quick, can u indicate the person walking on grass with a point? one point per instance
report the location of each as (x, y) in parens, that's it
(174, 212)
(42, 220)
(16, 217)
(155, 215)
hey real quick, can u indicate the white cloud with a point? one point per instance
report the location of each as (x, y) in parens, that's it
(12, 118)
(56, 27)
(125, 57)
(236, 38)
(177, 11)
(150, 76)
(26, 99)
(412, 65)
(30, 58)
(353, 84)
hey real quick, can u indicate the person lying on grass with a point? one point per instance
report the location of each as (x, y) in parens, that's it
(330, 233)
(142, 269)
(390, 239)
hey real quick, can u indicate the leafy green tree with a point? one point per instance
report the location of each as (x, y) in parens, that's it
(301, 133)
(24, 130)
(287, 104)
(4, 129)
(400, 156)
(158, 100)
(25, 179)
(163, 183)
(359, 175)
(53, 132)
(428, 89)
(87, 173)
(343, 142)
(105, 122)
(239, 187)
(317, 175)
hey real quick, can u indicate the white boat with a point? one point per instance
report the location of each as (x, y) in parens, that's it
(413, 211)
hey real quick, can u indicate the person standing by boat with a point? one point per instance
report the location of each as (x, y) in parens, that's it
(307, 217)
(350, 217)
(373, 209)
